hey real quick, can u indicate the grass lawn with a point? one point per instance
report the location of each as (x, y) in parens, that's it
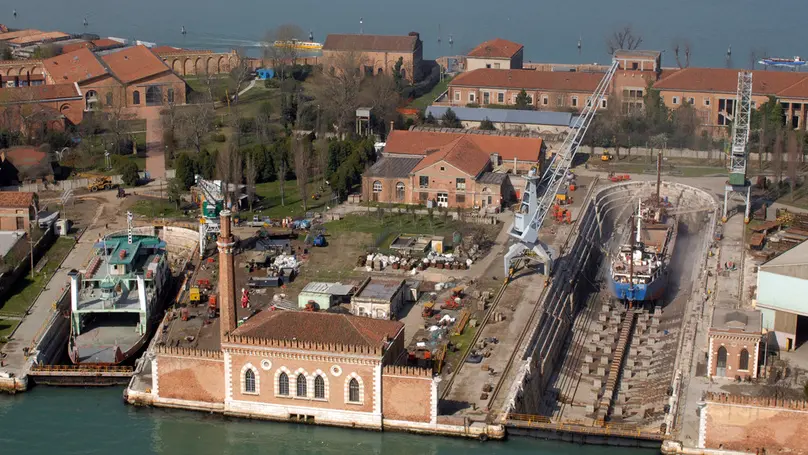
(269, 203)
(404, 223)
(6, 327)
(28, 289)
(197, 84)
(423, 101)
(157, 208)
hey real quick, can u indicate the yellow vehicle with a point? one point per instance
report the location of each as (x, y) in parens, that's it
(562, 197)
(98, 182)
(606, 156)
(194, 295)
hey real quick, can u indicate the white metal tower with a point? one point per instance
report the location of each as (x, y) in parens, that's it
(540, 190)
(737, 183)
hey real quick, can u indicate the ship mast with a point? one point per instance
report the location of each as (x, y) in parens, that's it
(638, 238)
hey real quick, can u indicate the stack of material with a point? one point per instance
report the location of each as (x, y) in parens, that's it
(285, 261)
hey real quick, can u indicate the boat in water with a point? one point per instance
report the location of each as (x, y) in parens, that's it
(116, 300)
(777, 61)
(296, 44)
(639, 271)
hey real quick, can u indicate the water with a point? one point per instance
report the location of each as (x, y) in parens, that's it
(95, 421)
(549, 29)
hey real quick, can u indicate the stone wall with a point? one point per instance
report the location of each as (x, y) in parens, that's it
(749, 424)
(188, 375)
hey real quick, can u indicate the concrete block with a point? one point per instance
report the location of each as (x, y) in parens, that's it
(642, 374)
(607, 349)
(595, 337)
(605, 308)
(597, 383)
(653, 331)
(604, 360)
(585, 368)
(590, 408)
(590, 347)
(588, 358)
(610, 339)
(655, 322)
(629, 363)
(602, 317)
(627, 373)
(601, 371)
(617, 411)
(615, 320)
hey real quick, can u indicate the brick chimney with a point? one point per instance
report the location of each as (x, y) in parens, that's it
(227, 277)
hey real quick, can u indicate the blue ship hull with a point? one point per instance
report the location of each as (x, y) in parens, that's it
(639, 292)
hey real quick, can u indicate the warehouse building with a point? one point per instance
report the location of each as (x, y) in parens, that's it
(781, 290)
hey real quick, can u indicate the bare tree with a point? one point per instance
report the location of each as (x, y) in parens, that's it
(321, 153)
(624, 38)
(302, 157)
(777, 159)
(380, 93)
(762, 140)
(224, 171)
(792, 150)
(281, 169)
(337, 90)
(250, 176)
(196, 122)
(279, 49)
(686, 51)
(240, 73)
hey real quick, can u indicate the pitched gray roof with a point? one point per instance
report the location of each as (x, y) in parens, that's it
(478, 114)
(495, 178)
(393, 167)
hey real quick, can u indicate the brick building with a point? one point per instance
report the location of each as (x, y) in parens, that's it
(377, 53)
(131, 77)
(313, 367)
(712, 92)
(38, 108)
(496, 53)
(734, 349)
(17, 210)
(27, 164)
(449, 169)
(379, 298)
(545, 90)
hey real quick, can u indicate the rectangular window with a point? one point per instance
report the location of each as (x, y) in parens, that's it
(488, 65)
(496, 65)
(460, 198)
(706, 101)
(471, 97)
(171, 95)
(460, 184)
(457, 95)
(559, 100)
(423, 196)
(20, 224)
(544, 100)
(530, 100)
(603, 103)
(486, 98)
(691, 101)
(500, 97)
(423, 181)
(675, 100)
(574, 101)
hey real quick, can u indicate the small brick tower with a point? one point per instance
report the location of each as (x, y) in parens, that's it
(227, 277)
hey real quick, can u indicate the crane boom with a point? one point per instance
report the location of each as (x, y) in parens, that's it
(540, 190)
(738, 185)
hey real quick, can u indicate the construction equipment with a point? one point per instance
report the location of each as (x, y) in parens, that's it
(738, 185)
(98, 182)
(562, 196)
(615, 178)
(211, 201)
(429, 310)
(194, 295)
(606, 156)
(540, 190)
(451, 304)
(213, 307)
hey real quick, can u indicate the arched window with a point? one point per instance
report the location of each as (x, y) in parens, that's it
(380, 71)
(109, 98)
(721, 362)
(249, 381)
(154, 95)
(743, 363)
(319, 387)
(353, 390)
(377, 186)
(283, 384)
(136, 97)
(301, 385)
(400, 191)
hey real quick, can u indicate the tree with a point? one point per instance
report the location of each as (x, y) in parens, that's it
(239, 73)
(397, 73)
(185, 170)
(487, 125)
(450, 120)
(196, 122)
(302, 156)
(45, 51)
(523, 100)
(336, 90)
(430, 119)
(282, 56)
(5, 52)
(281, 168)
(792, 166)
(176, 188)
(686, 51)
(128, 171)
(777, 159)
(624, 38)
(380, 93)
(250, 176)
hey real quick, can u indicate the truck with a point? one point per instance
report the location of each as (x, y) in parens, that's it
(98, 182)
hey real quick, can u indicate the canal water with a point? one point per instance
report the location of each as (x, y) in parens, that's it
(549, 29)
(95, 421)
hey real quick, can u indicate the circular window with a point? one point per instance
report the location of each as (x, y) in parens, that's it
(336, 370)
(266, 365)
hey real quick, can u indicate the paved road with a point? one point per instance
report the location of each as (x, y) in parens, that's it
(155, 150)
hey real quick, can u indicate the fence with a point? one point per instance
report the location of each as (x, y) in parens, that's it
(74, 184)
(672, 153)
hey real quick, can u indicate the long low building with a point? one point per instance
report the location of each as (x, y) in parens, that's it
(546, 123)
(782, 285)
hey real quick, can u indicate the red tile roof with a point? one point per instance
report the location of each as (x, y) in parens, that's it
(319, 327)
(76, 66)
(461, 153)
(370, 43)
(70, 47)
(16, 199)
(134, 63)
(106, 43)
(416, 143)
(528, 80)
(16, 34)
(24, 156)
(496, 48)
(38, 38)
(166, 50)
(39, 93)
(720, 80)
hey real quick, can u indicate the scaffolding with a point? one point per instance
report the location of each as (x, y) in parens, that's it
(738, 185)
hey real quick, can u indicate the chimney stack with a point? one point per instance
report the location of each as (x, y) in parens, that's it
(227, 277)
